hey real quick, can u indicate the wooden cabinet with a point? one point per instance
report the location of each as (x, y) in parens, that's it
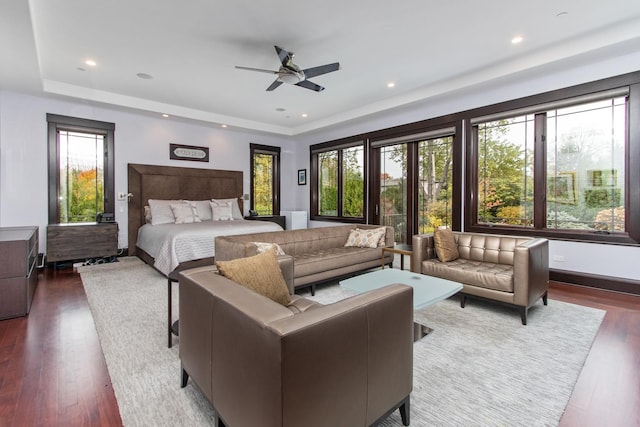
(18, 273)
(67, 242)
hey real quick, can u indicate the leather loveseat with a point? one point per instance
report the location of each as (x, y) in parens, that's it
(318, 254)
(512, 270)
(264, 364)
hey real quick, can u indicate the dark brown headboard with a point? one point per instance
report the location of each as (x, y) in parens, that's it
(167, 183)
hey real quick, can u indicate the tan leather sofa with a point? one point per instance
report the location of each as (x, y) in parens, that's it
(318, 254)
(508, 269)
(260, 363)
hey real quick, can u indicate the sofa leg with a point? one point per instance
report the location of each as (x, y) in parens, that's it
(185, 377)
(313, 290)
(544, 298)
(405, 411)
(463, 300)
(523, 315)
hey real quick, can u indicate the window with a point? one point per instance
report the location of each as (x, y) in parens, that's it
(559, 168)
(265, 179)
(81, 180)
(435, 183)
(338, 181)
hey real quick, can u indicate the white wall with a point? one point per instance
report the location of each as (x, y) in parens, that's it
(599, 259)
(139, 138)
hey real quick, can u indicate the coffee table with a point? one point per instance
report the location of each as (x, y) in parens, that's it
(427, 290)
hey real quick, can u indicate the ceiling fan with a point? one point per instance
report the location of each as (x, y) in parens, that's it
(291, 74)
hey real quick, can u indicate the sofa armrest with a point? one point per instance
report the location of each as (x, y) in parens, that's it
(423, 249)
(530, 271)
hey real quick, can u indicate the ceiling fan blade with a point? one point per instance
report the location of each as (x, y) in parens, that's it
(274, 85)
(322, 69)
(256, 69)
(310, 85)
(283, 55)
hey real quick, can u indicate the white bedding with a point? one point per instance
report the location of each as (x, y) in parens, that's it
(172, 244)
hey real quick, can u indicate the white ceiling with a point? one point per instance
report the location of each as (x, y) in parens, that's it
(428, 48)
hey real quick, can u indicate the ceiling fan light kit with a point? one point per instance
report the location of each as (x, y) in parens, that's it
(291, 74)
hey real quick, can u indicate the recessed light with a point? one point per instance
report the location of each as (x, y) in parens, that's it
(391, 84)
(304, 114)
(224, 126)
(90, 62)
(517, 39)
(144, 76)
(165, 115)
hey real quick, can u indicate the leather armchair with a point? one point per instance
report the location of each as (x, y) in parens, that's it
(263, 364)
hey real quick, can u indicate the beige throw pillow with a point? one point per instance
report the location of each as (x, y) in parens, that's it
(365, 238)
(445, 244)
(184, 213)
(263, 247)
(260, 273)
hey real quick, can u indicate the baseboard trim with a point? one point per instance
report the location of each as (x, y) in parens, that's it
(615, 284)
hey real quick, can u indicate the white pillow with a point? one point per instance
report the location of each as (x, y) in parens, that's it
(365, 238)
(234, 204)
(221, 211)
(203, 207)
(264, 247)
(184, 213)
(147, 215)
(161, 212)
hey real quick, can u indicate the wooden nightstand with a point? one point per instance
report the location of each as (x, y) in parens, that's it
(67, 242)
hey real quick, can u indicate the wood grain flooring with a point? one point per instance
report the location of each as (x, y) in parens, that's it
(53, 372)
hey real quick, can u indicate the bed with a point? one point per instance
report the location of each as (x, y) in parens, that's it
(167, 246)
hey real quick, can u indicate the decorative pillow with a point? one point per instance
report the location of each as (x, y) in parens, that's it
(263, 247)
(184, 213)
(161, 212)
(234, 205)
(221, 211)
(445, 244)
(147, 215)
(383, 236)
(260, 273)
(203, 207)
(365, 238)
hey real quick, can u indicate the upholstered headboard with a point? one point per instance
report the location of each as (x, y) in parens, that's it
(166, 183)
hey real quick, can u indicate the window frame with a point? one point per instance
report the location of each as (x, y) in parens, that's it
(275, 152)
(339, 146)
(632, 163)
(56, 123)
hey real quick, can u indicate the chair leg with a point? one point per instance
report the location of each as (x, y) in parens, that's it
(463, 300)
(523, 315)
(185, 377)
(405, 411)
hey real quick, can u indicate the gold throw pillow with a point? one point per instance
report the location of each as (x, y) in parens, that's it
(260, 273)
(445, 244)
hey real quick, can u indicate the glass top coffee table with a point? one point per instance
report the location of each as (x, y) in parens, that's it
(427, 290)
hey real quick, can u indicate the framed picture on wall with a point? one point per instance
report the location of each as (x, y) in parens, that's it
(302, 177)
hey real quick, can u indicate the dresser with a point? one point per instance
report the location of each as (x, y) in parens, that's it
(68, 242)
(18, 272)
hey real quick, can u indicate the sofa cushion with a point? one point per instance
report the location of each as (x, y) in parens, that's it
(260, 273)
(445, 245)
(487, 275)
(331, 259)
(262, 247)
(370, 238)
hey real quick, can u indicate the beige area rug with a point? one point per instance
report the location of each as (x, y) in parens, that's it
(479, 367)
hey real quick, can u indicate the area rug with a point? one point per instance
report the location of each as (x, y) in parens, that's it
(480, 366)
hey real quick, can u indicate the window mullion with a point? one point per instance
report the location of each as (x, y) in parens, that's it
(540, 172)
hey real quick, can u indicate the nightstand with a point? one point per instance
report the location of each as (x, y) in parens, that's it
(67, 242)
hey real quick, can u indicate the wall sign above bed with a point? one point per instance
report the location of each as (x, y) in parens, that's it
(188, 152)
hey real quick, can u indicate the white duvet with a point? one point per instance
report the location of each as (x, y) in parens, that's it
(172, 244)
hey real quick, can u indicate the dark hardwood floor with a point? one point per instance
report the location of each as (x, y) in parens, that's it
(53, 372)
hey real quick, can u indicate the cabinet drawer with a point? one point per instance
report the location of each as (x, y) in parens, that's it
(78, 241)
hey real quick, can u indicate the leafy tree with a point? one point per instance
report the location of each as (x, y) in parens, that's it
(263, 184)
